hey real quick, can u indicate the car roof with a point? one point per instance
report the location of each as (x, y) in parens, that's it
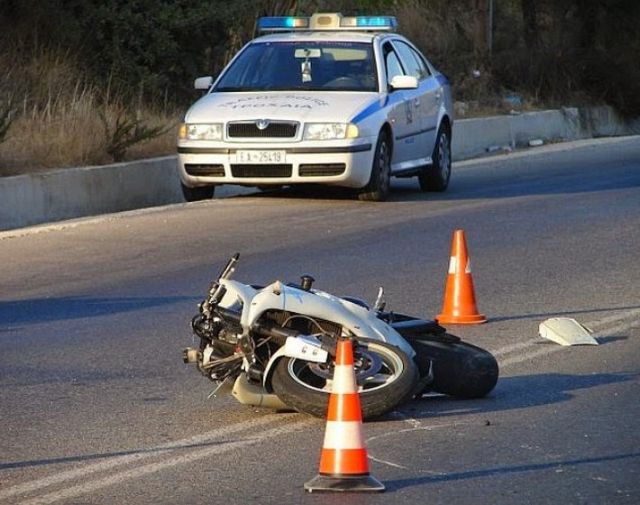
(321, 36)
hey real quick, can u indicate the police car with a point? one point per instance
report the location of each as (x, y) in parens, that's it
(324, 99)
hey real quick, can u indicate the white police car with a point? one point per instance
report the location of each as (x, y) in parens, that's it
(324, 99)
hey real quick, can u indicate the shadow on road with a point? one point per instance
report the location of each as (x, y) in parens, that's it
(394, 485)
(501, 178)
(564, 313)
(516, 393)
(43, 310)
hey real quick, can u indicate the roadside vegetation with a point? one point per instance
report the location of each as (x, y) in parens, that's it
(96, 81)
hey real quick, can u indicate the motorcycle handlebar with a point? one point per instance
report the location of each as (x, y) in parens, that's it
(230, 267)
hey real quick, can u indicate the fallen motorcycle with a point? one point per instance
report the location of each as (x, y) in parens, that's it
(274, 346)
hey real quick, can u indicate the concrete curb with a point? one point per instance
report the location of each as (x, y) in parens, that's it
(86, 191)
(476, 137)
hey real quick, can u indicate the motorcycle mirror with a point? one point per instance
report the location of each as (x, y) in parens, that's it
(379, 304)
(306, 281)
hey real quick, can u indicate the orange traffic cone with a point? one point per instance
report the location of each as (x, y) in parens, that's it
(460, 300)
(343, 462)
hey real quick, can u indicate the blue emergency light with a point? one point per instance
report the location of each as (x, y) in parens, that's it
(388, 22)
(326, 21)
(282, 23)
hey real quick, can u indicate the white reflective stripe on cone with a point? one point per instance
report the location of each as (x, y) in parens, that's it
(343, 435)
(344, 380)
(452, 265)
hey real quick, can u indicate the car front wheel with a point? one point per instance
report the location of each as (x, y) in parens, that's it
(197, 194)
(436, 177)
(377, 189)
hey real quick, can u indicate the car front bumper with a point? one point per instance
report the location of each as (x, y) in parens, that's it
(340, 165)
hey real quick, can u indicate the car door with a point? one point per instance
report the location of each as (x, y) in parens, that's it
(400, 112)
(425, 102)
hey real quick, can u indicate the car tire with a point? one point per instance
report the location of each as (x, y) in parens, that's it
(435, 177)
(377, 189)
(458, 368)
(198, 193)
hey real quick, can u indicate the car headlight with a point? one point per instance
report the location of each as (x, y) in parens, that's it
(200, 131)
(330, 131)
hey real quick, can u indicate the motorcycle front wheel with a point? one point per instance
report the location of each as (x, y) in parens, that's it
(385, 375)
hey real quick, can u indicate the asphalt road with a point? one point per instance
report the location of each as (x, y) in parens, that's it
(97, 407)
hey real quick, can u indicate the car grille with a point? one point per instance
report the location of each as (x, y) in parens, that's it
(261, 170)
(205, 170)
(274, 129)
(318, 170)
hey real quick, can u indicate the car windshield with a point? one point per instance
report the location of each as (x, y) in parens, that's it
(312, 66)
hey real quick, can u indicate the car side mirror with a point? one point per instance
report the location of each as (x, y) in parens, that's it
(404, 82)
(203, 82)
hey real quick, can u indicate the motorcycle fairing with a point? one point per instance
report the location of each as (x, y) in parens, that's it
(354, 319)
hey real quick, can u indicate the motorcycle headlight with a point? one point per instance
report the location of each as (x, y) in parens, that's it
(200, 131)
(330, 131)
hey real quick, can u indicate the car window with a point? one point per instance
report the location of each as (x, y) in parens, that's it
(306, 65)
(424, 69)
(392, 62)
(412, 61)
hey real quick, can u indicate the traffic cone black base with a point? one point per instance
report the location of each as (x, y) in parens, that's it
(344, 483)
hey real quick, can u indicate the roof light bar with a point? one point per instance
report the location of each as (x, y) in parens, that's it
(282, 23)
(370, 22)
(327, 21)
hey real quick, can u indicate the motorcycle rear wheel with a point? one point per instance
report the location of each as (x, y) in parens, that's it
(459, 369)
(386, 377)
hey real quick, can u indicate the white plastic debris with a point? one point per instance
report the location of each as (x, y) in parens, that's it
(566, 331)
(536, 142)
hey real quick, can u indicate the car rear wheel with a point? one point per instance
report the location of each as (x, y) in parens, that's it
(377, 189)
(436, 177)
(197, 194)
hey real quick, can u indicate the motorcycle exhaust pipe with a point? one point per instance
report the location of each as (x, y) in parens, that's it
(191, 355)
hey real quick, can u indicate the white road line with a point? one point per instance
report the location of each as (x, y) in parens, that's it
(512, 347)
(531, 355)
(143, 454)
(630, 314)
(141, 471)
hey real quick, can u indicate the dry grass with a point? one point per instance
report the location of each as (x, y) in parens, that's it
(58, 117)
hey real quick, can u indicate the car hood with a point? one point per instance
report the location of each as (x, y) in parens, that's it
(294, 106)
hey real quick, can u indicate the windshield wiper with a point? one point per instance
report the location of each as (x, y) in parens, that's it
(237, 88)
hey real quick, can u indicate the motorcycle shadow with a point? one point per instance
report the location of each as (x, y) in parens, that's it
(515, 392)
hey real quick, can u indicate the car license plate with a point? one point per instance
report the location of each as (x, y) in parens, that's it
(261, 157)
